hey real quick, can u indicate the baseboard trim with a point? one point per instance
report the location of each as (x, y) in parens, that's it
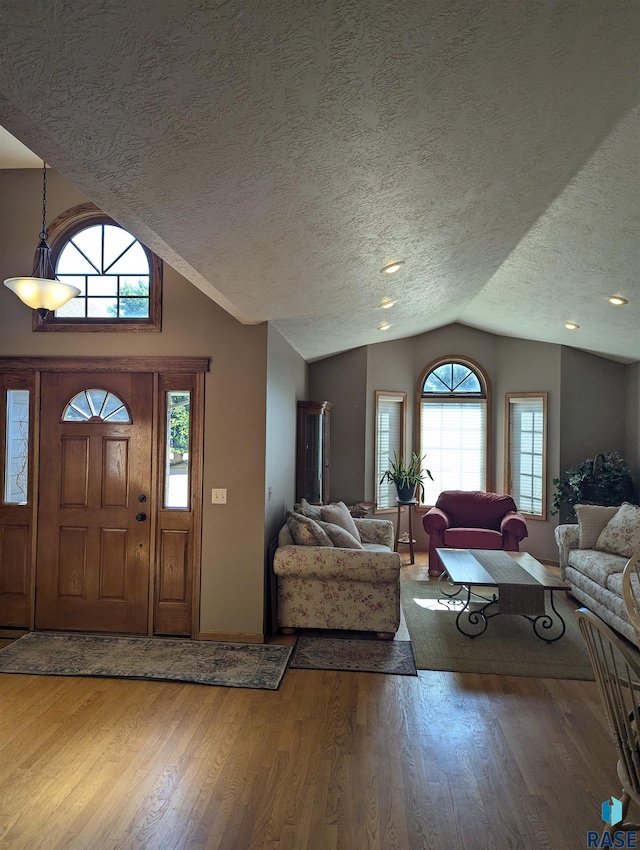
(549, 563)
(233, 637)
(7, 634)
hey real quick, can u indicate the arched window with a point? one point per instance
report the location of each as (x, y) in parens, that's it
(119, 279)
(452, 411)
(96, 405)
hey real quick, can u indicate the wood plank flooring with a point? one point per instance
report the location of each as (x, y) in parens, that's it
(330, 761)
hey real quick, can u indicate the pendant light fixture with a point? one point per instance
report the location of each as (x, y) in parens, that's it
(42, 291)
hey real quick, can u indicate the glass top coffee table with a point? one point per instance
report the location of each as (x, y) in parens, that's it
(491, 582)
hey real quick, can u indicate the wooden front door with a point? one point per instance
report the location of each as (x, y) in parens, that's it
(95, 509)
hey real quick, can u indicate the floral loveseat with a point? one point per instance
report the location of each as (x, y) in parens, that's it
(332, 576)
(593, 555)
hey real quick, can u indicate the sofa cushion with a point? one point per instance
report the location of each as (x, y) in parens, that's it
(338, 514)
(621, 535)
(472, 538)
(475, 509)
(597, 565)
(306, 531)
(284, 536)
(307, 509)
(591, 521)
(604, 603)
(614, 584)
(339, 536)
(376, 547)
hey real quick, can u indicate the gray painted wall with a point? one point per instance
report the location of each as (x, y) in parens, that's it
(632, 417)
(593, 406)
(575, 431)
(342, 380)
(286, 384)
(526, 366)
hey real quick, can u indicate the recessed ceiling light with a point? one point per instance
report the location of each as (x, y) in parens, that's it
(571, 326)
(384, 326)
(390, 268)
(617, 300)
(386, 303)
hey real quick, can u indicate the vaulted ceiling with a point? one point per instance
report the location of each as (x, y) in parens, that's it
(280, 154)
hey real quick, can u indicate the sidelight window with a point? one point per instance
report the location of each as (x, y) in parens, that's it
(177, 449)
(16, 476)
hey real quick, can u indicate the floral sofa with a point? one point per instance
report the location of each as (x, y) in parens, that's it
(593, 554)
(352, 583)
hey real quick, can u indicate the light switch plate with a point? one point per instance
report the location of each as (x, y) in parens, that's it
(219, 496)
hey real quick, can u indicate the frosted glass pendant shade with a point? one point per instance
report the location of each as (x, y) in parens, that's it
(42, 293)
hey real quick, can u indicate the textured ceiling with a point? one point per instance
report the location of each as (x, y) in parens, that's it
(278, 155)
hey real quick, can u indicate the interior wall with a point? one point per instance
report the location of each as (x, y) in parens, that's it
(342, 380)
(511, 365)
(286, 384)
(632, 417)
(235, 397)
(527, 366)
(593, 409)
(389, 368)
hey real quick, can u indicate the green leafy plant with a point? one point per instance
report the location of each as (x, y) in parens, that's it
(603, 480)
(406, 475)
(179, 424)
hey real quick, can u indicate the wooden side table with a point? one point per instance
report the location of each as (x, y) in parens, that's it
(409, 506)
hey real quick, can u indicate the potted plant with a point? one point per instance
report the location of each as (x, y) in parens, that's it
(603, 480)
(408, 477)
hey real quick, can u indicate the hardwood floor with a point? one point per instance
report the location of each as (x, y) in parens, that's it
(330, 761)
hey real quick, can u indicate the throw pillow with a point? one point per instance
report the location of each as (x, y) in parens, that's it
(307, 509)
(621, 535)
(340, 537)
(306, 531)
(338, 514)
(592, 520)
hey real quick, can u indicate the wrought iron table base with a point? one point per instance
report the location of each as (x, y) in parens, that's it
(479, 618)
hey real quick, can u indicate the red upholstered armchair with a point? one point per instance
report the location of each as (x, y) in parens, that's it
(470, 519)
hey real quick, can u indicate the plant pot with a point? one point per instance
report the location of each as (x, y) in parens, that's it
(406, 494)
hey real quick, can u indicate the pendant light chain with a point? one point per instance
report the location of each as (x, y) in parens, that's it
(42, 291)
(43, 232)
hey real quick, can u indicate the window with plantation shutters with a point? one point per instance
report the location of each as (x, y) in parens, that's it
(390, 426)
(453, 428)
(525, 464)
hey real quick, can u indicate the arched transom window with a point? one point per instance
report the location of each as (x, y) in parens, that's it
(118, 277)
(452, 409)
(111, 270)
(96, 405)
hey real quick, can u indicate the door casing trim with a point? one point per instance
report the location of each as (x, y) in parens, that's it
(197, 366)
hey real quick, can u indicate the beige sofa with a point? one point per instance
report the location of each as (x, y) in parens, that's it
(331, 587)
(592, 561)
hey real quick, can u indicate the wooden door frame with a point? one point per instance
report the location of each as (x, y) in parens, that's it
(158, 366)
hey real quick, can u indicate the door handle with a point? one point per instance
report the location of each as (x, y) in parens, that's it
(141, 517)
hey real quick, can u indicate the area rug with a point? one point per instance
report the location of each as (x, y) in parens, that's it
(361, 656)
(232, 665)
(509, 645)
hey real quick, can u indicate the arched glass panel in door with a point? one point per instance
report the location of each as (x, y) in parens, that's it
(97, 405)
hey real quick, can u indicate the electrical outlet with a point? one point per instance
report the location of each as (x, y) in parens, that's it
(219, 497)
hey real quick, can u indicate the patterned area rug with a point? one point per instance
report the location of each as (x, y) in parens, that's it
(232, 665)
(508, 646)
(362, 656)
